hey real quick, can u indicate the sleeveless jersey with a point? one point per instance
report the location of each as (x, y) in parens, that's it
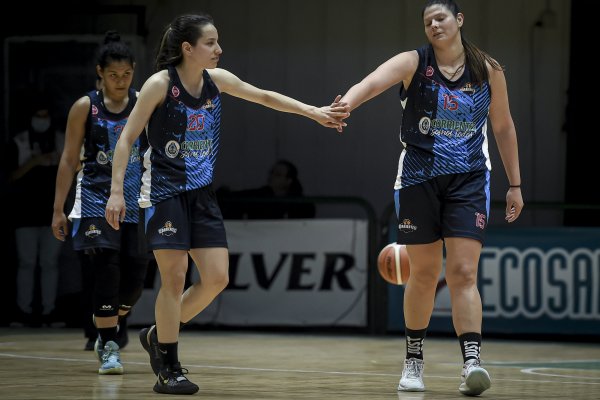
(183, 134)
(93, 181)
(444, 124)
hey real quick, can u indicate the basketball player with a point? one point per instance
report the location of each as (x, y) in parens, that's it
(119, 267)
(442, 191)
(181, 104)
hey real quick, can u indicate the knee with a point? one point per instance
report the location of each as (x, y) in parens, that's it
(424, 278)
(423, 284)
(174, 281)
(129, 298)
(218, 280)
(461, 275)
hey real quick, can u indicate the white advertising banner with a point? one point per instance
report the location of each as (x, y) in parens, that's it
(287, 273)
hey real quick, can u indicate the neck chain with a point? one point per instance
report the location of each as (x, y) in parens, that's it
(458, 69)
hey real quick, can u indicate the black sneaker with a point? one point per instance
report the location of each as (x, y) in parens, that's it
(89, 345)
(122, 336)
(149, 340)
(172, 380)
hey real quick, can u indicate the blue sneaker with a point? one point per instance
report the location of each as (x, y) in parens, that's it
(111, 360)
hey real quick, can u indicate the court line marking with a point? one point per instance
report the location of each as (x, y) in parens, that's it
(516, 363)
(299, 371)
(535, 371)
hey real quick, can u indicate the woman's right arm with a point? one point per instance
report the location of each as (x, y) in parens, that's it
(69, 162)
(400, 68)
(151, 95)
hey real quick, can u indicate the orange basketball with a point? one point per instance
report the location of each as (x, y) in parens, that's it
(393, 264)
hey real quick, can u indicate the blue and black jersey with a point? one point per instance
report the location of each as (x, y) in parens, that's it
(444, 124)
(183, 134)
(93, 181)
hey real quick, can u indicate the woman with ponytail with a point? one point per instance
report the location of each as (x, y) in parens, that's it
(449, 89)
(181, 104)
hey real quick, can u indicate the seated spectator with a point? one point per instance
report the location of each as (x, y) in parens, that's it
(282, 184)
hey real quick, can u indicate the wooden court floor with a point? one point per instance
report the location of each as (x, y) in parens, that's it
(51, 364)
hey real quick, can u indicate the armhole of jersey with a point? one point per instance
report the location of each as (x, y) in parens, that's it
(403, 92)
(88, 120)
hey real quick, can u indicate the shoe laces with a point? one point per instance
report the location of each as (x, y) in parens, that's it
(110, 354)
(177, 372)
(469, 365)
(413, 368)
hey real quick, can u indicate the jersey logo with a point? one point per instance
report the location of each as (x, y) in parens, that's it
(94, 110)
(208, 105)
(429, 71)
(172, 148)
(175, 91)
(424, 125)
(468, 88)
(101, 158)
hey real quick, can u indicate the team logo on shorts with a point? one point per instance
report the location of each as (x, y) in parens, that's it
(92, 231)
(101, 158)
(168, 229)
(175, 91)
(172, 148)
(424, 125)
(407, 226)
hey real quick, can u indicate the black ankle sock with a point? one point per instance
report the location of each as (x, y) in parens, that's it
(470, 345)
(414, 343)
(108, 334)
(169, 353)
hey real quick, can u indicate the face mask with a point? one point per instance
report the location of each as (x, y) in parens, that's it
(40, 124)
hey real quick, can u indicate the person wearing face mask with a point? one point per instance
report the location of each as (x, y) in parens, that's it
(34, 163)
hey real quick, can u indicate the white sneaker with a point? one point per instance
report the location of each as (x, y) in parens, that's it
(412, 376)
(474, 379)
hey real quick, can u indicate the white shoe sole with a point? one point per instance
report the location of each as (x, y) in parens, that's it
(477, 382)
(409, 389)
(111, 371)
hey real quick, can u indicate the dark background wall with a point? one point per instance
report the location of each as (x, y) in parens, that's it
(313, 50)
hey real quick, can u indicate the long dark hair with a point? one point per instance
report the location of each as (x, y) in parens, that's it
(184, 28)
(113, 49)
(475, 58)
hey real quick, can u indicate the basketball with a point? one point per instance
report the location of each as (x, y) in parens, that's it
(393, 264)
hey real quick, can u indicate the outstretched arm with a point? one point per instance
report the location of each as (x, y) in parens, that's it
(400, 68)
(328, 116)
(506, 138)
